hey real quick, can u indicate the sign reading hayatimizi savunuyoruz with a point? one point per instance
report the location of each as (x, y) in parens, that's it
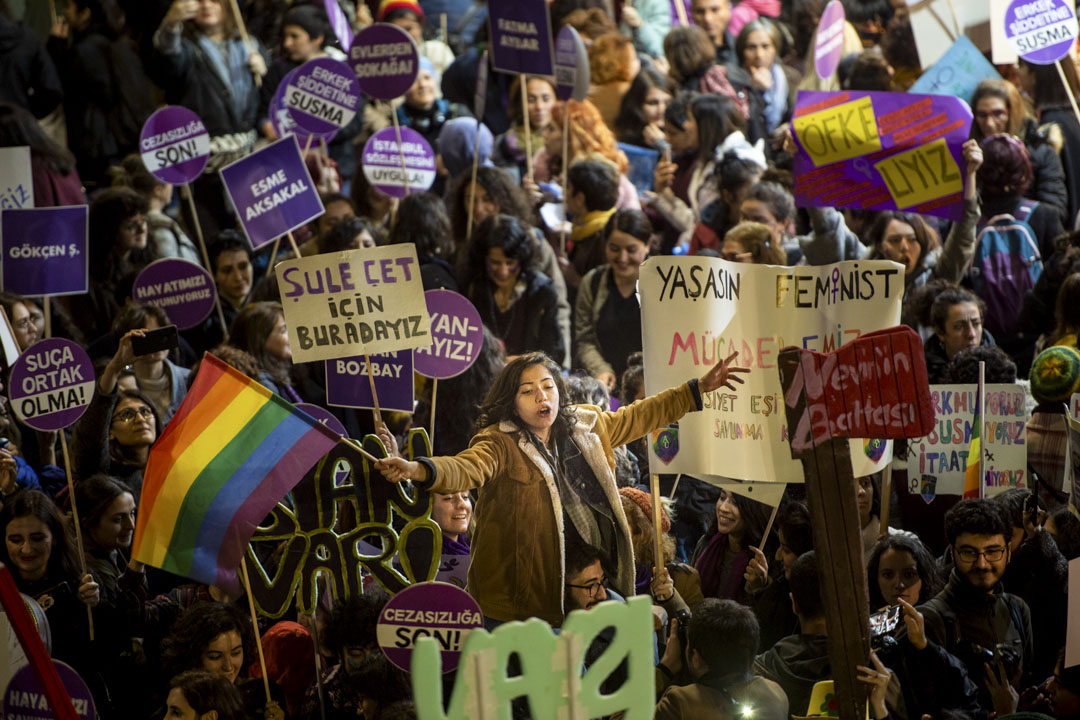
(696, 311)
(355, 302)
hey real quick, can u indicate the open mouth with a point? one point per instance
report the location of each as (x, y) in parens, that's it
(544, 412)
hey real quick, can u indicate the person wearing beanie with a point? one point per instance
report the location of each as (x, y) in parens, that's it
(409, 16)
(457, 146)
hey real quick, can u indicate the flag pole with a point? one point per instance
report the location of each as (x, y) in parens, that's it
(434, 390)
(255, 626)
(75, 520)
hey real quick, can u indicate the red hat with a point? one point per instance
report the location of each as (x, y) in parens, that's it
(387, 6)
(644, 501)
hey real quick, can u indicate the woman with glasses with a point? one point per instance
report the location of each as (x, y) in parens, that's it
(115, 433)
(547, 470)
(23, 327)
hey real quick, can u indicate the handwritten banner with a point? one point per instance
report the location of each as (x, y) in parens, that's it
(957, 73)
(16, 180)
(881, 151)
(356, 302)
(696, 311)
(937, 462)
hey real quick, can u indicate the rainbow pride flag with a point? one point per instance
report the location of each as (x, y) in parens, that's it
(232, 451)
(972, 477)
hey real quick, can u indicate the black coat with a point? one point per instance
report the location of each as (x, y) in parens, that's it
(1048, 177)
(459, 86)
(541, 323)
(1063, 117)
(28, 77)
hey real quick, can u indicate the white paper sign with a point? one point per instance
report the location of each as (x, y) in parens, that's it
(936, 25)
(16, 179)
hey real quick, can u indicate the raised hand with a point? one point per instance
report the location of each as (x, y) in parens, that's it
(723, 374)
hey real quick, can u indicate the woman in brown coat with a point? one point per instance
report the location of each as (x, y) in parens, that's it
(547, 473)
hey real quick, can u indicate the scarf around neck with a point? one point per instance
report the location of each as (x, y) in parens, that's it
(710, 564)
(591, 224)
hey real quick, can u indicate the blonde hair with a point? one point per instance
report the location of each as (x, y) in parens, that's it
(610, 58)
(759, 241)
(588, 133)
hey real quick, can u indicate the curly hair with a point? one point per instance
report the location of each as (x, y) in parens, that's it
(506, 233)
(642, 535)
(588, 133)
(500, 403)
(1006, 168)
(610, 58)
(193, 631)
(964, 367)
(507, 195)
(925, 566)
(108, 212)
(422, 221)
(978, 517)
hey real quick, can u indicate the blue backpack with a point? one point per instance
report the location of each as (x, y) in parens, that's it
(1007, 264)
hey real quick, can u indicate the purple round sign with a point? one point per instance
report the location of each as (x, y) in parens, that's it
(174, 145)
(324, 416)
(51, 384)
(1041, 31)
(282, 120)
(385, 60)
(571, 66)
(829, 44)
(184, 290)
(457, 333)
(382, 161)
(322, 95)
(23, 697)
(431, 609)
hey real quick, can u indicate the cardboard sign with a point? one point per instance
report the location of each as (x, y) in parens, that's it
(174, 145)
(24, 699)
(45, 250)
(552, 678)
(695, 311)
(183, 289)
(272, 191)
(347, 383)
(454, 569)
(282, 120)
(322, 95)
(1041, 31)
(431, 609)
(936, 24)
(829, 41)
(881, 151)
(942, 453)
(571, 66)
(51, 385)
(382, 162)
(324, 416)
(1072, 637)
(1002, 52)
(16, 179)
(521, 37)
(354, 302)
(957, 73)
(457, 335)
(394, 519)
(385, 60)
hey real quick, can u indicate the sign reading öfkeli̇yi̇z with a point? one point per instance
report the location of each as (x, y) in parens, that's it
(354, 303)
(272, 191)
(881, 151)
(696, 311)
(521, 37)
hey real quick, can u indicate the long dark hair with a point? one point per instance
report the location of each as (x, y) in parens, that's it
(755, 516)
(422, 221)
(499, 186)
(93, 497)
(250, 331)
(924, 565)
(18, 127)
(509, 235)
(195, 629)
(63, 559)
(500, 405)
(108, 212)
(716, 117)
(924, 234)
(631, 120)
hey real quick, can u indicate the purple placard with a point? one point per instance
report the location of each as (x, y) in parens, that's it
(881, 151)
(457, 334)
(282, 121)
(521, 37)
(429, 609)
(382, 162)
(385, 60)
(322, 95)
(571, 66)
(272, 191)
(52, 382)
(829, 43)
(347, 383)
(324, 416)
(44, 250)
(1041, 31)
(340, 23)
(23, 695)
(183, 289)
(175, 145)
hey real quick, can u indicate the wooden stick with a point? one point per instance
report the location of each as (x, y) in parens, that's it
(292, 243)
(675, 487)
(359, 448)
(247, 43)
(318, 654)
(255, 623)
(434, 391)
(374, 393)
(273, 254)
(528, 132)
(442, 28)
(566, 171)
(768, 528)
(658, 529)
(680, 10)
(307, 145)
(46, 309)
(1068, 89)
(185, 190)
(75, 520)
(982, 435)
(322, 146)
(52, 12)
(401, 153)
(886, 493)
(472, 186)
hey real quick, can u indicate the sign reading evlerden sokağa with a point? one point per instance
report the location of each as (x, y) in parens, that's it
(881, 151)
(356, 302)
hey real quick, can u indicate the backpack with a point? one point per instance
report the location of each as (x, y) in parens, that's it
(1007, 264)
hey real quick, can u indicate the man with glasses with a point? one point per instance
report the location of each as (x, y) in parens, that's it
(973, 618)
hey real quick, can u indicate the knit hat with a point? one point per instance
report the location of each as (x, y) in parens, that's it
(1055, 374)
(457, 142)
(388, 6)
(644, 501)
(426, 64)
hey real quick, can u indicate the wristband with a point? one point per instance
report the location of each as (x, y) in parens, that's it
(666, 670)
